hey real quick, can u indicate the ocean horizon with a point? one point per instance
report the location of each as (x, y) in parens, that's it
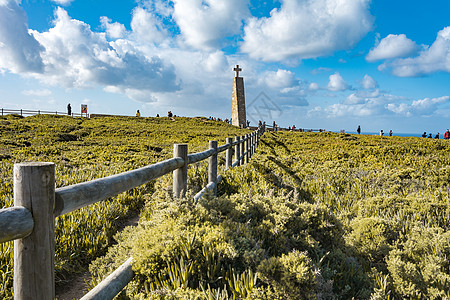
(441, 134)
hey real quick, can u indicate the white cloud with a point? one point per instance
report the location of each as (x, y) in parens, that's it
(393, 46)
(19, 51)
(369, 83)
(280, 79)
(147, 27)
(205, 23)
(337, 83)
(313, 86)
(425, 107)
(39, 93)
(436, 58)
(63, 2)
(113, 30)
(307, 29)
(95, 61)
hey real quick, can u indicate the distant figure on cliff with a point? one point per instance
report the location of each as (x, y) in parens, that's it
(381, 132)
(69, 110)
(430, 136)
(358, 130)
(424, 135)
(436, 136)
(169, 114)
(390, 132)
(447, 135)
(138, 113)
(157, 115)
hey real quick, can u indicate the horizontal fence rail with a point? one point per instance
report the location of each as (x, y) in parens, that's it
(30, 223)
(76, 196)
(27, 112)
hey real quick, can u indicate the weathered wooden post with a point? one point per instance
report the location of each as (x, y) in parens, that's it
(237, 150)
(180, 175)
(247, 147)
(242, 149)
(253, 143)
(212, 166)
(34, 189)
(229, 154)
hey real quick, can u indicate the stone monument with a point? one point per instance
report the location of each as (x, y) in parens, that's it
(238, 117)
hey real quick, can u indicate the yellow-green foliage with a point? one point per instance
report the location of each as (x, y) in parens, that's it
(85, 149)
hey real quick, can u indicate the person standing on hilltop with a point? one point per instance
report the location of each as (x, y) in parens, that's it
(390, 132)
(358, 130)
(447, 135)
(381, 132)
(138, 113)
(424, 135)
(69, 110)
(436, 136)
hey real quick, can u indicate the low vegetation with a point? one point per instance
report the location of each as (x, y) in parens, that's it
(312, 216)
(85, 149)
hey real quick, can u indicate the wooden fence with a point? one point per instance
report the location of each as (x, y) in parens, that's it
(30, 223)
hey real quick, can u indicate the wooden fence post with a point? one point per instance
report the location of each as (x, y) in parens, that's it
(253, 143)
(212, 166)
(242, 149)
(229, 154)
(180, 174)
(34, 189)
(237, 150)
(247, 147)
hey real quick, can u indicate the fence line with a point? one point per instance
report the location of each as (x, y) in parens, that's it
(30, 223)
(22, 112)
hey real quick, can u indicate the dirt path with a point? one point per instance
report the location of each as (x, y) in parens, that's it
(77, 287)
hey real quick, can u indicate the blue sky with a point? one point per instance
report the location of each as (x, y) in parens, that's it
(331, 64)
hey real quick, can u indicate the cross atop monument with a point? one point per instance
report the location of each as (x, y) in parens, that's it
(237, 70)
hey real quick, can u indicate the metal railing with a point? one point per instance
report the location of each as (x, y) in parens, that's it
(30, 223)
(27, 112)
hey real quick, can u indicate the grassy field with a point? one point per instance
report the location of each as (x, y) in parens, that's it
(85, 149)
(312, 216)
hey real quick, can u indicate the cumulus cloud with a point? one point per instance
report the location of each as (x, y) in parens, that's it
(313, 86)
(393, 46)
(281, 79)
(147, 27)
(424, 107)
(205, 23)
(365, 103)
(307, 29)
(19, 51)
(337, 83)
(113, 30)
(369, 83)
(436, 58)
(75, 56)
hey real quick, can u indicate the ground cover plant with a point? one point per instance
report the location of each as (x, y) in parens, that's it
(312, 216)
(85, 149)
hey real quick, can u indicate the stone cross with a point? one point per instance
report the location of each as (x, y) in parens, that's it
(237, 70)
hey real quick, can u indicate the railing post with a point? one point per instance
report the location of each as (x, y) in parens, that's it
(34, 189)
(180, 174)
(247, 147)
(253, 144)
(212, 166)
(242, 150)
(229, 154)
(237, 150)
